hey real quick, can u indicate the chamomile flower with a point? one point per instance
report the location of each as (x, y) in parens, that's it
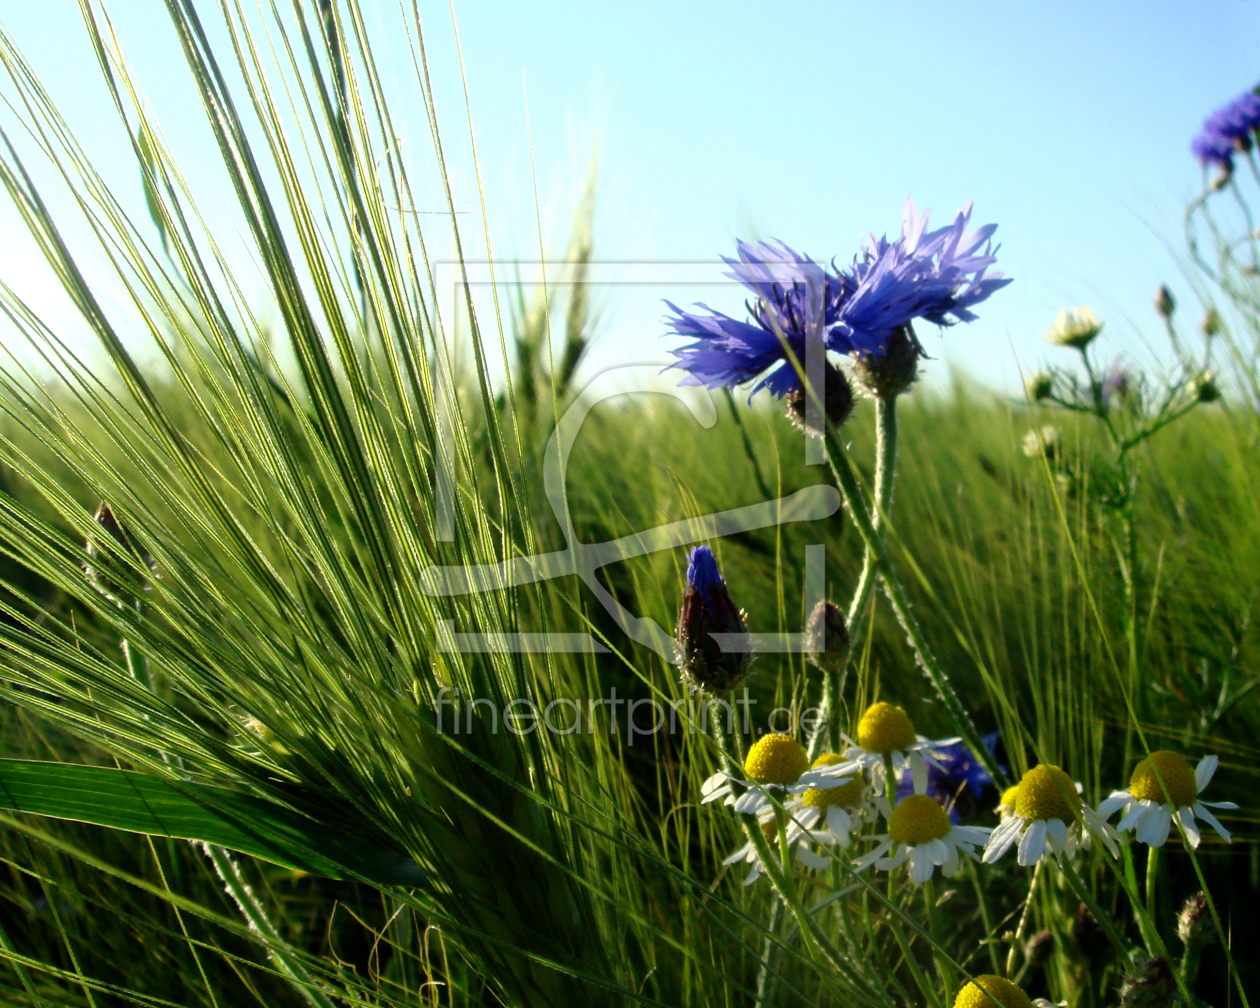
(989, 991)
(886, 733)
(774, 762)
(1048, 819)
(766, 821)
(1162, 786)
(919, 831)
(831, 815)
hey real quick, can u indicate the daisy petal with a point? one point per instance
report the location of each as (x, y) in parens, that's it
(921, 864)
(1186, 818)
(1117, 800)
(1056, 833)
(1033, 843)
(809, 859)
(1212, 821)
(1137, 812)
(1203, 772)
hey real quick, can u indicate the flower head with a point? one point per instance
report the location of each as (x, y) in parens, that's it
(985, 990)
(1163, 786)
(886, 734)
(1075, 329)
(775, 762)
(1226, 131)
(796, 302)
(1043, 442)
(1048, 819)
(919, 831)
(707, 609)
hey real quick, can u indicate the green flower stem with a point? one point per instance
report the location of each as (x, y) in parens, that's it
(1104, 920)
(256, 916)
(1152, 884)
(930, 993)
(1190, 965)
(944, 970)
(1022, 928)
(986, 917)
(851, 491)
(816, 943)
(855, 619)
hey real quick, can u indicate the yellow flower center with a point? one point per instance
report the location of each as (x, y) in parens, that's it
(918, 819)
(884, 729)
(984, 990)
(1008, 797)
(776, 759)
(1162, 777)
(845, 794)
(1046, 792)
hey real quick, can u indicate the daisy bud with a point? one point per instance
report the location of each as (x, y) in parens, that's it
(1075, 329)
(1039, 387)
(707, 609)
(1212, 324)
(1164, 303)
(1150, 984)
(894, 371)
(837, 402)
(1205, 388)
(827, 637)
(1194, 922)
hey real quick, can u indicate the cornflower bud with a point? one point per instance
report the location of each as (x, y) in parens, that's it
(118, 539)
(1149, 984)
(1164, 302)
(1038, 949)
(827, 637)
(1074, 328)
(707, 609)
(1040, 386)
(1089, 935)
(894, 371)
(837, 402)
(1211, 325)
(1194, 923)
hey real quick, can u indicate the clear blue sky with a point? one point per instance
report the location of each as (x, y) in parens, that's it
(1067, 123)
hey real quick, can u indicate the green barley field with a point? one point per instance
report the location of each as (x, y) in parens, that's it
(293, 714)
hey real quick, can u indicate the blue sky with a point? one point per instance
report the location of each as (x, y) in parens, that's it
(1067, 123)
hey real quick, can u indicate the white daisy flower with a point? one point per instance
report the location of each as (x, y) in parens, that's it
(1048, 819)
(886, 732)
(825, 815)
(919, 831)
(774, 762)
(1006, 804)
(832, 815)
(1163, 786)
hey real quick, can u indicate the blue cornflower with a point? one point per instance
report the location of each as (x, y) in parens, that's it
(931, 275)
(797, 299)
(962, 772)
(1227, 130)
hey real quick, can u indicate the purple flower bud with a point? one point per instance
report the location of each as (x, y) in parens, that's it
(827, 637)
(1150, 984)
(837, 402)
(893, 371)
(707, 609)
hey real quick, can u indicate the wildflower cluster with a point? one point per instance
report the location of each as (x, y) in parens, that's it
(863, 311)
(1228, 131)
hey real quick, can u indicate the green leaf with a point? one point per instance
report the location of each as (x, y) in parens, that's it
(138, 803)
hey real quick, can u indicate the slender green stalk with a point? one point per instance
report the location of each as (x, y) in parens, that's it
(1024, 917)
(851, 491)
(855, 619)
(1152, 884)
(255, 915)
